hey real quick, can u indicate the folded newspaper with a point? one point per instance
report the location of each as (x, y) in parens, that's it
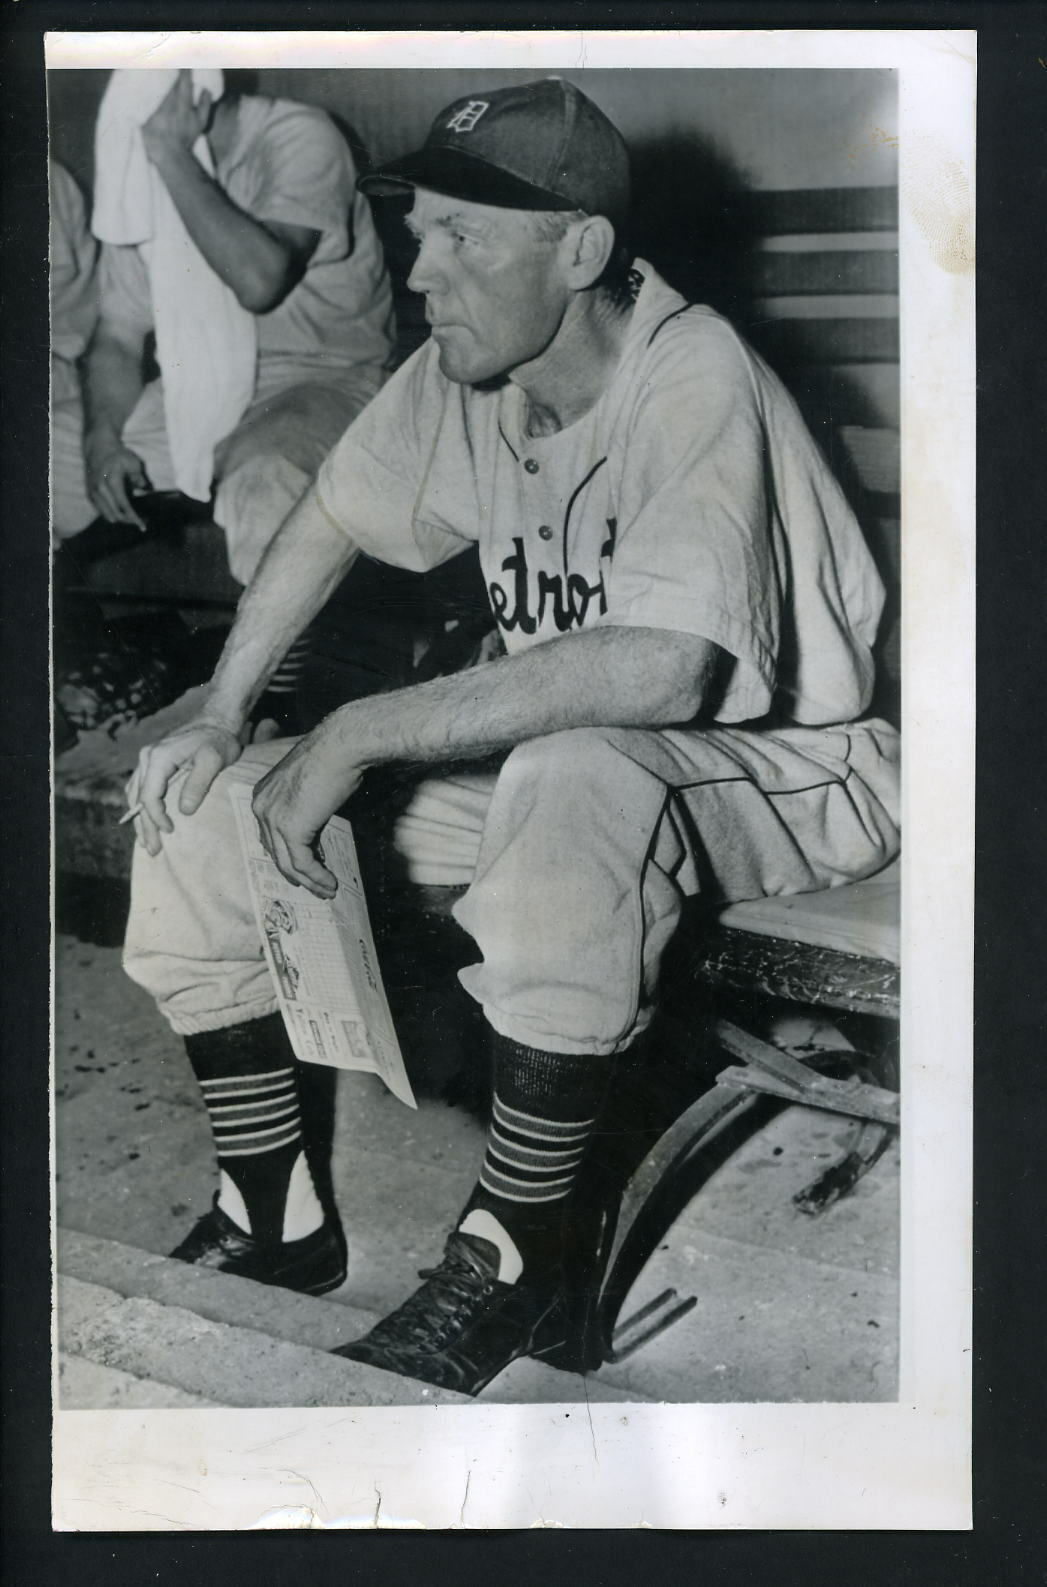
(322, 958)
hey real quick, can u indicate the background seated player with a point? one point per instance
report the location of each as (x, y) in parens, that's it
(74, 284)
(265, 190)
(688, 610)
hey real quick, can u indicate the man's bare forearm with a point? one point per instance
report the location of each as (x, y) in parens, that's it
(621, 677)
(299, 571)
(112, 384)
(258, 266)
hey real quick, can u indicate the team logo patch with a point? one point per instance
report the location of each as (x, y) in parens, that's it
(465, 120)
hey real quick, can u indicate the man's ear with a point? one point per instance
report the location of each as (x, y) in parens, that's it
(593, 245)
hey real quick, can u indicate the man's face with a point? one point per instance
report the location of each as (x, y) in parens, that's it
(495, 291)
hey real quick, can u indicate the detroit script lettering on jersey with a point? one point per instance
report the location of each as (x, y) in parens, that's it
(529, 595)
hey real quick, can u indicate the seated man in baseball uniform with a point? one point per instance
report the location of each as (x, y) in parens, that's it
(688, 610)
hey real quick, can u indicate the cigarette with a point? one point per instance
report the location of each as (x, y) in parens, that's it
(129, 815)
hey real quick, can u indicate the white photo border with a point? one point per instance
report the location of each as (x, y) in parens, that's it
(899, 1466)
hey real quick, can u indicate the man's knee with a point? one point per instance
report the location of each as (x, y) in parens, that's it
(190, 904)
(576, 758)
(201, 840)
(267, 482)
(251, 503)
(189, 849)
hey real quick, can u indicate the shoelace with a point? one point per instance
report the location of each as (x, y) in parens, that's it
(451, 1292)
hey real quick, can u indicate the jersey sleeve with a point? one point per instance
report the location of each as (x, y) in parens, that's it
(74, 285)
(693, 545)
(378, 483)
(304, 175)
(123, 288)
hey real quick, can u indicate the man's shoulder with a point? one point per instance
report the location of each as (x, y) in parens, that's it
(691, 343)
(416, 396)
(665, 323)
(263, 117)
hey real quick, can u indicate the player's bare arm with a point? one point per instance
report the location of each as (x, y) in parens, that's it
(111, 378)
(298, 573)
(621, 677)
(260, 260)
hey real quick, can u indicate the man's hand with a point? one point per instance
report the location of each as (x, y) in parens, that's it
(294, 802)
(201, 749)
(177, 122)
(112, 471)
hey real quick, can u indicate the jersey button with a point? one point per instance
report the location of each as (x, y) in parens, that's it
(530, 465)
(545, 531)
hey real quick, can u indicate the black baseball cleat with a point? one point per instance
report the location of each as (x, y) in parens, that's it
(464, 1325)
(312, 1266)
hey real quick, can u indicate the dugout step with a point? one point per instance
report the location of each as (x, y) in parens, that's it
(237, 1343)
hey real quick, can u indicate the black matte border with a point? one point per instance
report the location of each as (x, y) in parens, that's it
(1011, 1076)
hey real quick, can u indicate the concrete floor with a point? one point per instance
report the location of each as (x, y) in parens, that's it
(788, 1307)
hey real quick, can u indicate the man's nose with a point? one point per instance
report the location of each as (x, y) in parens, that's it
(426, 272)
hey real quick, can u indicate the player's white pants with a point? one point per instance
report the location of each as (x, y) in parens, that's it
(261, 469)
(579, 852)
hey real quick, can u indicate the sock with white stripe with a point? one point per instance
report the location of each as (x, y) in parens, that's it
(544, 1113)
(249, 1079)
(279, 702)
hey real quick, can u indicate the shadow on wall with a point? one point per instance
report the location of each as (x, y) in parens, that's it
(245, 81)
(73, 99)
(689, 220)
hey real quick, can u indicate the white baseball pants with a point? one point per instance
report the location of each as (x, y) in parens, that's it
(579, 852)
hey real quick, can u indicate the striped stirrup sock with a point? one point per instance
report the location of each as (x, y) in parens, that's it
(545, 1110)
(285, 679)
(280, 698)
(249, 1083)
(530, 1159)
(253, 1114)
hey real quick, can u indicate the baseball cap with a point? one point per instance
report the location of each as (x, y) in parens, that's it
(541, 145)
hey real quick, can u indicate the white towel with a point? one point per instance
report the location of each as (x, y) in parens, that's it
(206, 343)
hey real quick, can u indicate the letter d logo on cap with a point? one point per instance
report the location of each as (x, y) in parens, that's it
(465, 120)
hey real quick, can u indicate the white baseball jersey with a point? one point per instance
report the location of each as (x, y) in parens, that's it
(691, 497)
